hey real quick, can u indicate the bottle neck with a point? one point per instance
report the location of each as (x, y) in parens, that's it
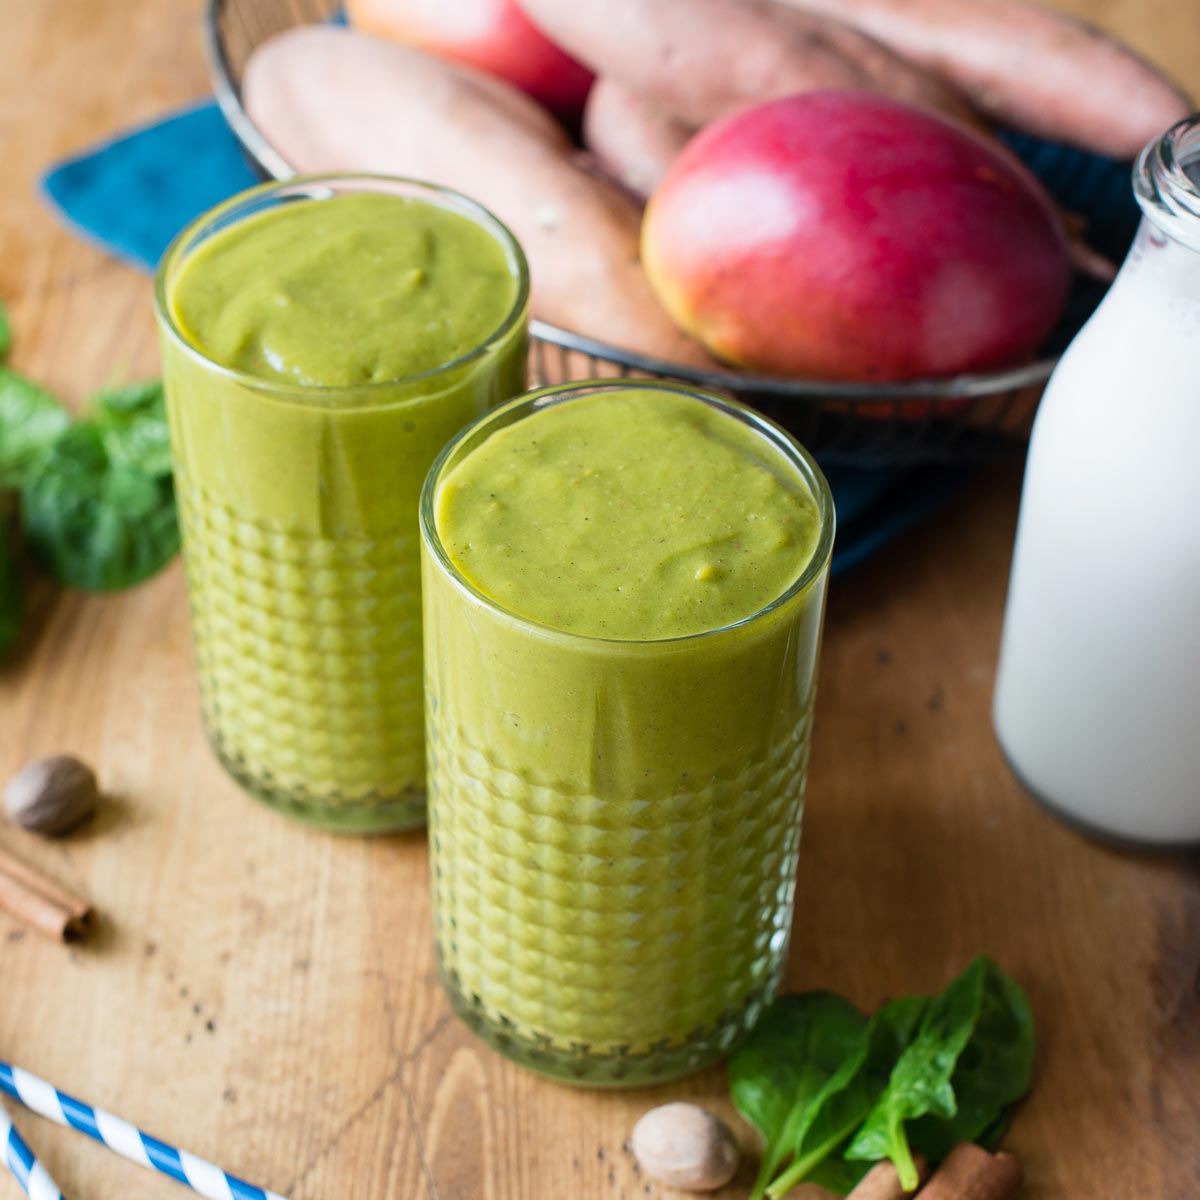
(1159, 270)
(1164, 261)
(1166, 182)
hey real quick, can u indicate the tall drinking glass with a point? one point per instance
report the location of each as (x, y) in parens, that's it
(615, 822)
(298, 470)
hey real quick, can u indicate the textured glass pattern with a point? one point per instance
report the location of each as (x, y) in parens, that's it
(308, 655)
(613, 941)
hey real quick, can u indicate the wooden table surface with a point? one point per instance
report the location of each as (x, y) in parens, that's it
(265, 995)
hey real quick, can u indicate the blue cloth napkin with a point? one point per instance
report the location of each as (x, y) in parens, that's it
(131, 195)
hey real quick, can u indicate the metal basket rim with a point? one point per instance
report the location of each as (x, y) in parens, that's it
(958, 387)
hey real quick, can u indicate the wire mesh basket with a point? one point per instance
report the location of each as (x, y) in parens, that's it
(943, 420)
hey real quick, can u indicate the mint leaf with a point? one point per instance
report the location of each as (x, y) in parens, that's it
(30, 421)
(5, 334)
(93, 520)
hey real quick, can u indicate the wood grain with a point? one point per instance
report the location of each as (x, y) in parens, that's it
(265, 995)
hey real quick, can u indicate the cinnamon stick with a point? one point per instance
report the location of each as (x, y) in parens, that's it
(971, 1173)
(40, 902)
(882, 1182)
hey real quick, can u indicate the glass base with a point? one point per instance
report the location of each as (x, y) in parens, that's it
(608, 1067)
(336, 814)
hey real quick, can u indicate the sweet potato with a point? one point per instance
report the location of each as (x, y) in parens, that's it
(1027, 66)
(490, 35)
(631, 137)
(702, 59)
(330, 99)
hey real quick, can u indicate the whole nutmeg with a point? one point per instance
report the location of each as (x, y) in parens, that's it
(51, 795)
(685, 1147)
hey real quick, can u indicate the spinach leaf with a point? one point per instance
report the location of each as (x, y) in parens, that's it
(994, 1133)
(30, 421)
(799, 1043)
(95, 521)
(993, 1070)
(833, 1094)
(98, 497)
(837, 1175)
(12, 600)
(133, 422)
(849, 1094)
(981, 1000)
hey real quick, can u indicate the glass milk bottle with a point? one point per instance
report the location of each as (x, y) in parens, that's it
(1097, 702)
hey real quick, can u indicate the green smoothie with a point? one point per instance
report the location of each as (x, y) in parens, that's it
(360, 288)
(640, 515)
(322, 340)
(623, 598)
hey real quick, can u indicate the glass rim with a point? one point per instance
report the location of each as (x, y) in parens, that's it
(185, 241)
(531, 402)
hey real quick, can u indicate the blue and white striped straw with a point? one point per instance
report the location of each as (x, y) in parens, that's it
(28, 1172)
(122, 1138)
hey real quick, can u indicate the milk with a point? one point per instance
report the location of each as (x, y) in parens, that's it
(1097, 701)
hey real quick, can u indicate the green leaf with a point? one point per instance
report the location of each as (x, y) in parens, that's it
(30, 422)
(837, 1175)
(993, 1070)
(993, 1134)
(849, 1094)
(922, 1084)
(133, 422)
(94, 521)
(5, 334)
(799, 1043)
(12, 599)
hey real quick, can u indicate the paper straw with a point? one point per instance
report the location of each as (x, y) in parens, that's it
(123, 1139)
(27, 1171)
